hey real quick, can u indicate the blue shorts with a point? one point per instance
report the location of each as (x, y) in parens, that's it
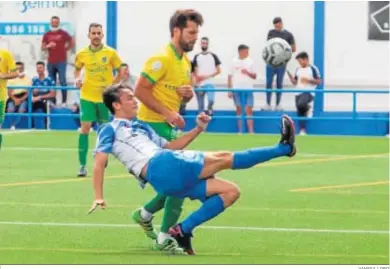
(20, 108)
(246, 99)
(176, 173)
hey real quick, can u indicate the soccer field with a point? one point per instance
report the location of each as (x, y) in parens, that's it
(328, 205)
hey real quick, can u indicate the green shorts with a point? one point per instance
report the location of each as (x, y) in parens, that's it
(2, 112)
(92, 111)
(164, 130)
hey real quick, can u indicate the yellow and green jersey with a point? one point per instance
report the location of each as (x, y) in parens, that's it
(7, 65)
(98, 67)
(166, 71)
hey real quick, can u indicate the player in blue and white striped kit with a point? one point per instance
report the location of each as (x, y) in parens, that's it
(173, 171)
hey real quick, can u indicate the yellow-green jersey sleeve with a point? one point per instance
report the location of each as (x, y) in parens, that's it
(78, 62)
(11, 63)
(116, 60)
(155, 68)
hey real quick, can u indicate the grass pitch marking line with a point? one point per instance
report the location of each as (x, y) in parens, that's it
(146, 250)
(303, 154)
(18, 132)
(350, 193)
(239, 208)
(55, 181)
(232, 228)
(363, 184)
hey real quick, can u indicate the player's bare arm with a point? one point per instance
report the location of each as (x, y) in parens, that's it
(77, 77)
(143, 91)
(186, 92)
(182, 142)
(98, 179)
(9, 75)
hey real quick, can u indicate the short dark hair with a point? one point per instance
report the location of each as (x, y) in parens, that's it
(112, 95)
(40, 63)
(123, 65)
(205, 38)
(180, 18)
(302, 55)
(55, 18)
(277, 20)
(94, 24)
(243, 47)
(19, 63)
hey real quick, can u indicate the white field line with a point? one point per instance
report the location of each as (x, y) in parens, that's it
(51, 149)
(232, 228)
(19, 132)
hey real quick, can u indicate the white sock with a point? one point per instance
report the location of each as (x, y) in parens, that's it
(161, 237)
(145, 215)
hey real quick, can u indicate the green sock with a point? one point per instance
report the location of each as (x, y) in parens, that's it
(1, 139)
(173, 208)
(156, 204)
(83, 148)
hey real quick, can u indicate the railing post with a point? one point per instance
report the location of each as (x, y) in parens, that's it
(354, 101)
(243, 112)
(29, 109)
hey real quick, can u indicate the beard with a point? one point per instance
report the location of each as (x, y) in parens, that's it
(205, 48)
(186, 47)
(96, 42)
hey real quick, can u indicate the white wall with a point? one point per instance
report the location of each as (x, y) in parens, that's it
(86, 12)
(350, 58)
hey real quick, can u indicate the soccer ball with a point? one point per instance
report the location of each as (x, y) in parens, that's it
(277, 52)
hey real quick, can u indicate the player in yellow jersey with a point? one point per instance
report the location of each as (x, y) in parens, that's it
(164, 84)
(7, 71)
(98, 62)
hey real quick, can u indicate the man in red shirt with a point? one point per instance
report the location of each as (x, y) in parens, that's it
(57, 42)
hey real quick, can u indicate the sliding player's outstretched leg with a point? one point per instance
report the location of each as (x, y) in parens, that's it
(217, 161)
(217, 194)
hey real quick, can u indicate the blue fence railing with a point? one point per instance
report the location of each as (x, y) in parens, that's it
(354, 94)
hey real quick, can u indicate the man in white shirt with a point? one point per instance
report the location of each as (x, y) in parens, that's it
(206, 66)
(242, 76)
(307, 77)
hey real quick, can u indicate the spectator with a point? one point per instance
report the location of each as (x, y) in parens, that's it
(242, 76)
(18, 98)
(306, 77)
(57, 42)
(124, 76)
(206, 66)
(280, 32)
(42, 97)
